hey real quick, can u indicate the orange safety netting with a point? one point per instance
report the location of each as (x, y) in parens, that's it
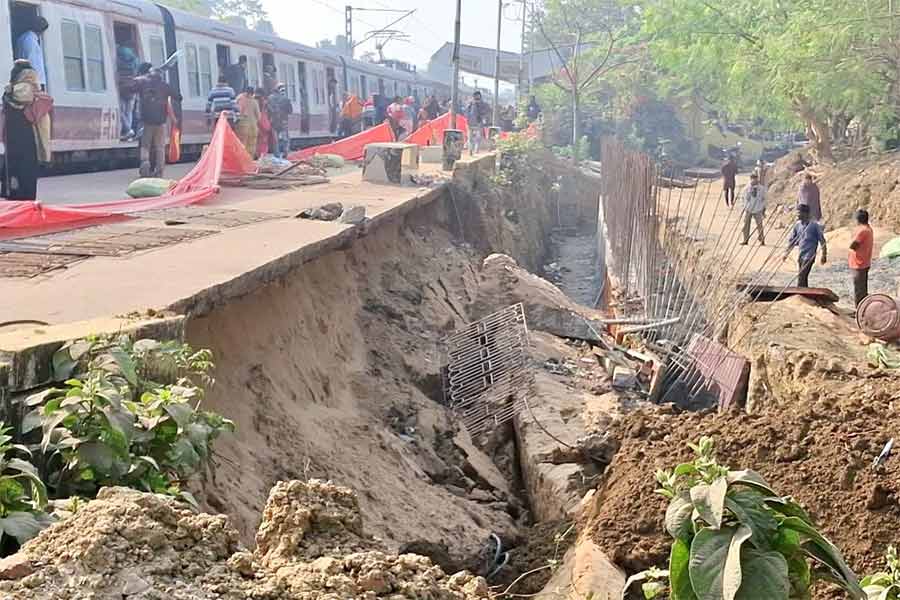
(225, 154)
(350, 148)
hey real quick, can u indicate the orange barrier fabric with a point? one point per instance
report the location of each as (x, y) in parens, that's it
(225, 154)
(349, 148)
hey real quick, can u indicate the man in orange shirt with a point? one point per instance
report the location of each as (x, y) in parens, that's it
(860, 258)
(351, 115)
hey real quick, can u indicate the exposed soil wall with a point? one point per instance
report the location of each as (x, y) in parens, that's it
(334, 371)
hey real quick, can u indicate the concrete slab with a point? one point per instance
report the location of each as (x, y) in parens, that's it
(195, 276)
(28, 351)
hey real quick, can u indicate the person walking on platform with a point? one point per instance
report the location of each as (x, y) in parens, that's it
(248, 121)
(265, 124)
(477, 115)
(220, 99)
(26, 132)
(280, 110)
(806, 235)
(729, 179)
(351, 115)
(860, 256)
(155, 96)
(754, 199)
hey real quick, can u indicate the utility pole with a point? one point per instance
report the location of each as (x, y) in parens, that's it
(521, 78)
(454, 86)
(495, 118)
(348, 27)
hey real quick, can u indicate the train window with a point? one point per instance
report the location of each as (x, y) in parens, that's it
(193, 70)
(157, 50)
(316, 77)
(291, 80)
(205, 71)
(73, 55)
(93, 50)
(363, 87)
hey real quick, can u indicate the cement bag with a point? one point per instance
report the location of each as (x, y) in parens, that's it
(891, 249)
(149, 187)
(328, 161)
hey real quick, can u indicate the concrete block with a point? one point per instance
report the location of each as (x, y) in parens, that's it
(390, 162)
(28, 353)
(431, 154)
(586, 572)
(624, 379)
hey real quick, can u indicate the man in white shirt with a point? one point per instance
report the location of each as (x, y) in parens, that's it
(754, 197)
(28, 46)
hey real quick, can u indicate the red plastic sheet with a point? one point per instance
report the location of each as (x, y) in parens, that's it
(350, 148)
(225, 154)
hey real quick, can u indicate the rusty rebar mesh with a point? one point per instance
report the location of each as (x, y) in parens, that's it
(655, 226)
(488, 369)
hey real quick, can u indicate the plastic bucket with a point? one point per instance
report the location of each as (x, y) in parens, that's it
(878, 316)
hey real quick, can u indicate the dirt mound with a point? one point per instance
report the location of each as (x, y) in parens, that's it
(144, 546)
(871, 182)
(820, 416)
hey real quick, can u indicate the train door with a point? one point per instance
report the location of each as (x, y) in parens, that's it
(332, 98)
(381, 86)
(304, 97)
(223, 58)
(22, 16)
(128, 58)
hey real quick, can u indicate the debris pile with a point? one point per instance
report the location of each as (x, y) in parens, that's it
(310, 546)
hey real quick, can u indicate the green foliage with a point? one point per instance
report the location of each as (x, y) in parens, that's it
(127, 414)
(247, 12)
(23, 496)
(884, 585)
(786, 63)
(516, 154)
(736, 539)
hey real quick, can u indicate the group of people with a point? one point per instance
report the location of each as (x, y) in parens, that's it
(260, 115)
(807, 234)
(26, 115)
(405, 115)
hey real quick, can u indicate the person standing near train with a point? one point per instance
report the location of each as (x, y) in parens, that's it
(155, 96)
(236, 75)
(26, 132)
(28, 47)
(280, 110)
(248, 122)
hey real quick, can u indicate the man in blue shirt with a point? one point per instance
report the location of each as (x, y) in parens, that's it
(28, 46)
(807, 235)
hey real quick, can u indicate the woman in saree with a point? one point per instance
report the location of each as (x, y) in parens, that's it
(26, 132)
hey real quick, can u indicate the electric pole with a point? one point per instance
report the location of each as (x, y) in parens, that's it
(495, 118)
(522, 52)
(454, 87)
(348, 27)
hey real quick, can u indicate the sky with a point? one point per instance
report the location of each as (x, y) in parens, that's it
(309, 21)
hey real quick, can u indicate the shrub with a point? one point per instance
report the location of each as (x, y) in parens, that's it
(736, 539)
(127, 414)
(23, 496)
(884, 585)
(514, 164)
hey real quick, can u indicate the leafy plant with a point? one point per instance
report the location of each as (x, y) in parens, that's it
(128, 414)
(884, 585)
(515, 154)
(23, 496)
(736, 539)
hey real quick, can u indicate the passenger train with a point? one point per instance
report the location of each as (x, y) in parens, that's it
(80, 57)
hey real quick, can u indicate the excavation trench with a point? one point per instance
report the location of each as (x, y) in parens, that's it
(334, 372)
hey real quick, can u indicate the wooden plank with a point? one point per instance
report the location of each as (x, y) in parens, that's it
(771, 293)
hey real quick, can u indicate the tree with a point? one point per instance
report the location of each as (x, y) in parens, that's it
(815, 62)
(242, 13)
(590, 39)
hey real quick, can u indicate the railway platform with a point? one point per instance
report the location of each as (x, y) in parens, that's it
(186, 259)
